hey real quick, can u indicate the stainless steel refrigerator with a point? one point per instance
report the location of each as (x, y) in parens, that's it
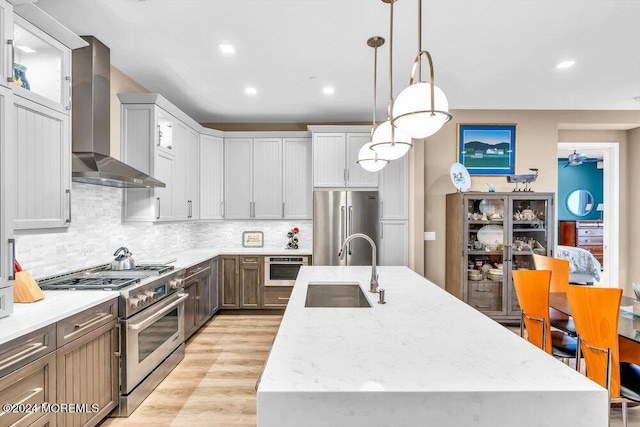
(338, 214)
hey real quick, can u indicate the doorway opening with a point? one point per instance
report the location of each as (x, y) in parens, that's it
(607, 155)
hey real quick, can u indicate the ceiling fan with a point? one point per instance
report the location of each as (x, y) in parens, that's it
(575, 159)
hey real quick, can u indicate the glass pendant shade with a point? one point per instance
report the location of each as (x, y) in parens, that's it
(412, 110)
(382, 144)
(370, 160)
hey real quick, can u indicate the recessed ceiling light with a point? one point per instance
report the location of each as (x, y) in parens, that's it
(26, 49)
(328, 90)
(227, 49)
(565, 64)
(250, 90)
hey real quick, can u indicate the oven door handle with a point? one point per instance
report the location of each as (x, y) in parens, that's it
(159, 314)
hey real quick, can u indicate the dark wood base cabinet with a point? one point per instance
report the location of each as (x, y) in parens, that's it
(74, 361)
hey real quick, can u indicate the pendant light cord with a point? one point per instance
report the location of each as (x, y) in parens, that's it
(390, 107)
(375, 84)
(419, 38)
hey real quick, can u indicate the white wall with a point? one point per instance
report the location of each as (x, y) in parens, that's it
(96, 232)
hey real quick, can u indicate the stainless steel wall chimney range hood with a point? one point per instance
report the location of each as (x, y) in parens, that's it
(91, 161)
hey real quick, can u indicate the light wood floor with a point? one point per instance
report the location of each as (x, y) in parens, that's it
(214, 385)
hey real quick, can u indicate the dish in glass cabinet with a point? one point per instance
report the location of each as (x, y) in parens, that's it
(492, 207)
(490, 234)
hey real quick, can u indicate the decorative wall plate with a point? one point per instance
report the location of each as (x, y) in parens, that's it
(460, 177)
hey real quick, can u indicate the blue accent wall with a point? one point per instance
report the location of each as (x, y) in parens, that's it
(585, 176)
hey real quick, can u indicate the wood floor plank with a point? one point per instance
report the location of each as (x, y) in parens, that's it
(215, 383)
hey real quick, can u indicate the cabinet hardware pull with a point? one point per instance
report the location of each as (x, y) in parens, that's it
(282, 209)
(68, 191)
(483, 306)
(344, 176)
(68, 79)
(283, 299)
(159, 314)
(222, 209)
(159, 136)
(12, 242)
(96, 319)
(381, 230)
(117, 353)
(158, 212)
(13, 60)
(18, 357)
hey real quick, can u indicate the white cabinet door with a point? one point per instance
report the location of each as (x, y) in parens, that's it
(164, 171)
(267, 178)
(394, 188)
(238, 178)
(6, 34)
(394, 243)
(192, 189)
(297, 187)
(211, 175)
(356, 175)
(7, 199)
(179, 183)
(329, 160)
(43, 166)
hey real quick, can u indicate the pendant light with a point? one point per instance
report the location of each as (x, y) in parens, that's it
(422, 108)
(367, 158)
(388, 141)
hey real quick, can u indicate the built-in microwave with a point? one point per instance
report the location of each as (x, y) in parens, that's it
(283, 270)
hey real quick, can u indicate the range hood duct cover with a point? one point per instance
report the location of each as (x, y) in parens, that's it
(91, 161)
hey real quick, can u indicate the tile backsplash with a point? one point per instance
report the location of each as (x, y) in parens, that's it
(96, 232)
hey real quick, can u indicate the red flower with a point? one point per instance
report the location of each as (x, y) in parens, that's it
(295, 230)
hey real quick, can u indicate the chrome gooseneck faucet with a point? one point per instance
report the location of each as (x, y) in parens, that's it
(374, 274)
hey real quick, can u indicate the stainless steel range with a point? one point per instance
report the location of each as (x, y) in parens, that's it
(151, 318)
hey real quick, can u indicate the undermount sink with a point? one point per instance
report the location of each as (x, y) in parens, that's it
(336, 294)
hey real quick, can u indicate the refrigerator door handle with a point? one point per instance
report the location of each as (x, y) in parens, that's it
(350, 222)
(342, 225)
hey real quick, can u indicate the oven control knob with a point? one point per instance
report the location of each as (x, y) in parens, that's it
(151, 295)
(174, 284)
(133, 302)
(144, 298)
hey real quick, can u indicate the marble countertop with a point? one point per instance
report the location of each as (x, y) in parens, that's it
(424, 355)
(55, 306)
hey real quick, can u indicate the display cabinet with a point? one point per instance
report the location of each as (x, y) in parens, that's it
(488, 236)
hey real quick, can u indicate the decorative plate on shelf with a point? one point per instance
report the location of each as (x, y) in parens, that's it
(492, 206)
(460, 177)
(490, 234)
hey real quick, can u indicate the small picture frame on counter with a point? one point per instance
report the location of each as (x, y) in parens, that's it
(252, 239)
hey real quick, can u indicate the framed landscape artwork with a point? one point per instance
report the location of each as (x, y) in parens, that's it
(487, 149)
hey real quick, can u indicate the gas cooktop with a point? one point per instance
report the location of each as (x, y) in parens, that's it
(103, 279)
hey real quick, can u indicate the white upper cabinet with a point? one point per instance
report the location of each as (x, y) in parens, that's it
(6, 43)
(335, 156)
(211, 177)
(297, 188)
(42, 67)
(178, 186)
(42, 166)
(267, 178)
(238, 178)
(329, 160)
(192, 188)
(7, 199)
(160, 140)
(356, 175)
(394, 189)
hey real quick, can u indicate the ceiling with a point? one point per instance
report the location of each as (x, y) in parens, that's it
(489, 54)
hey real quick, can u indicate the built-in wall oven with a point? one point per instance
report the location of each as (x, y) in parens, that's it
(283, 270)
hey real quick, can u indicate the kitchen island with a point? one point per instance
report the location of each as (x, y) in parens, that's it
(423, 358)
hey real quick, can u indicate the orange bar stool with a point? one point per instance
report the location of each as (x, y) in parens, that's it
(559, 283)
(595, 313)
(532, 289)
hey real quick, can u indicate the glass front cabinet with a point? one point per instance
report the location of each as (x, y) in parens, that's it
(488, 236)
